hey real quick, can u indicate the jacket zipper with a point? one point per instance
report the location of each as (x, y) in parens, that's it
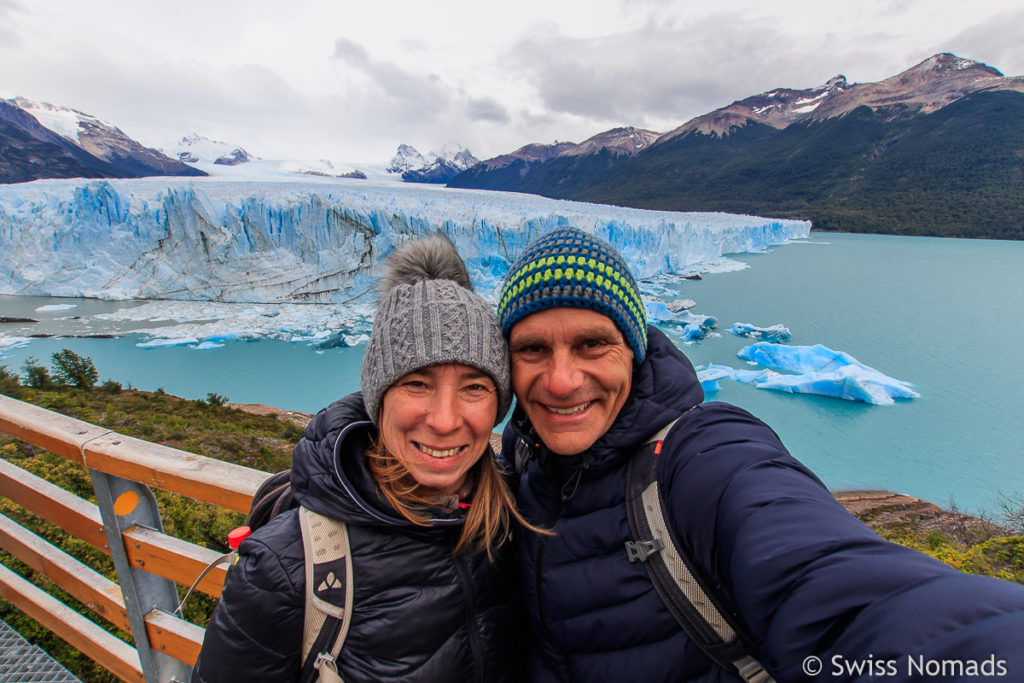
(475, 647)
(563, 496)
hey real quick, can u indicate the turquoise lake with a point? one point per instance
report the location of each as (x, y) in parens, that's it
(944, 315)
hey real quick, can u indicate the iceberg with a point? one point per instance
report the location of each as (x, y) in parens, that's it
(709, 376)
(314, 240)
(775, 333)
(819, 370)
(55, 307)
(162, 342)
(691, 327)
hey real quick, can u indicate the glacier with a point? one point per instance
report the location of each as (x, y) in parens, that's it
(813, 369)
(224, 239)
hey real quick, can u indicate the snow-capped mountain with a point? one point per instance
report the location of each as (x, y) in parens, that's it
(406, 158)
(102, 140)
(194, 149)
(31, 150)
(926, 87)
(436, 167)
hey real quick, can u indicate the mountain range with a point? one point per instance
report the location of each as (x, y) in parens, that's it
(40, 140)
(935, 150)
(435, 167)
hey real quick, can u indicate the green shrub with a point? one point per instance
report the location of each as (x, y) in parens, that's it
(9, 383)
(70, 369)
(111, 387)
(216, 399)
(37, 376)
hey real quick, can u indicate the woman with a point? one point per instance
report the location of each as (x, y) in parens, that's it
(407, 465)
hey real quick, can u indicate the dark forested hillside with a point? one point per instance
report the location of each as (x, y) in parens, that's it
(957, 172)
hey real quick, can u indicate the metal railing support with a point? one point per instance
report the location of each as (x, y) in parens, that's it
(124, 504)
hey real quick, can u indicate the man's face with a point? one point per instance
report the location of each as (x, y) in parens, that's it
(571, 372)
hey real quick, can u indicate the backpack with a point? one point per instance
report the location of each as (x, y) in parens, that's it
(694, 604)
(329, 579)
(686, 594)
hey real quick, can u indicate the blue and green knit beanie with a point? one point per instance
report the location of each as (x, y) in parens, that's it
(568, 267)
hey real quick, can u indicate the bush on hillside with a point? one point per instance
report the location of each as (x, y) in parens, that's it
(70, 369)
(36, 375)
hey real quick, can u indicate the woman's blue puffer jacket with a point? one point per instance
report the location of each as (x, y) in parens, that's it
(421, 612)
(806, 577)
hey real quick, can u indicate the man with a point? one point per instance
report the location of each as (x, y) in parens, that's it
(819, 594)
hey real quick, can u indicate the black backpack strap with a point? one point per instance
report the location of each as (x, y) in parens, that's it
(273, 497)
(701, 615)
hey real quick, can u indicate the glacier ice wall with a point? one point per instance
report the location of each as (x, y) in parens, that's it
(311, 241)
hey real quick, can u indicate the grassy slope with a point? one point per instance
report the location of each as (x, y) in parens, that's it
(261, 442)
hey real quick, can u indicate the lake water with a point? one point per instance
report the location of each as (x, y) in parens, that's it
(942, 314)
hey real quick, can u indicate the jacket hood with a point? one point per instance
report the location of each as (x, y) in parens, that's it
(664, 386)
(331, 474)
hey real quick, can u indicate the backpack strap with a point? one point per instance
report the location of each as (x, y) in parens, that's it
(673, 572)
(329, 587)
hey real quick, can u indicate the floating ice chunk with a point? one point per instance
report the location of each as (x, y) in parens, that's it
(744, 376)
(657, 311)
(355, 339)
(56, 307)
(821, 370)
(710, 375)
(817, 358)
(677, 305)
(163, 341)
(775, 333)
(206, 345)
(12, 343)
(693, 327)
(849, 382)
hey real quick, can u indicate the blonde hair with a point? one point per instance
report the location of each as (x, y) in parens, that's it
(488, 519)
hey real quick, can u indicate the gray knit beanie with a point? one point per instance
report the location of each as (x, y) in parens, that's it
(428, 314)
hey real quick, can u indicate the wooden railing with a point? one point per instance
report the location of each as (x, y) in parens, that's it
(125, 525)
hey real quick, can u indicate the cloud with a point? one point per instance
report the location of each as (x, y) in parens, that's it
(486, 109)
(351, 52)
(9, 9)
(996, 41)
(655, 71)
(423, 93)
(671, 70)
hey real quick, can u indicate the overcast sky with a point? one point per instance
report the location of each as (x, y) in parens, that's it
(348, 81)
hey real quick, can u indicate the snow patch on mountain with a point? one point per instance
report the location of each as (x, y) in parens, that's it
(194, 148)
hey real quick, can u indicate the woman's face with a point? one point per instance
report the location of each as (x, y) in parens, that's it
(437, 422)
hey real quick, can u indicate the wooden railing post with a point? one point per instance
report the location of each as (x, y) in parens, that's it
(125, 504)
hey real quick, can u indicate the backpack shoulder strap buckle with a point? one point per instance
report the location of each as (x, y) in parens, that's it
(639, 551)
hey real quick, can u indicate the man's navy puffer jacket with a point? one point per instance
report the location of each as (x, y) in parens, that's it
(421, 613)
(805, 576)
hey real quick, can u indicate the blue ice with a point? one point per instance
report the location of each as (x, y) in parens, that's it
(814, 370)
(775, 333)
